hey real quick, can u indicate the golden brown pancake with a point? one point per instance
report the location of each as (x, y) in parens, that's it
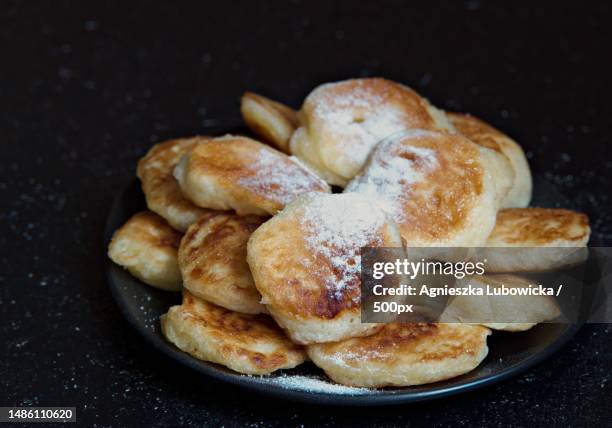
(519, 193)
(161, 189)
(536, 239)
(537, 227)
(306, 263)
(147, 247)
(509, 313)
(272, 121)
(212, 259)
(242, 174)
(403, 355)
(250, 344)
(436, 186)
(341, 122)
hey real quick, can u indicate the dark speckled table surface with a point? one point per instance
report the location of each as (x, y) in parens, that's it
(85, 90)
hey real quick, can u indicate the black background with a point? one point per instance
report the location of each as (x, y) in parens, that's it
(85, 90)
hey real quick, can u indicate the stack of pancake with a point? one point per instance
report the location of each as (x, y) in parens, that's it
(268, 258)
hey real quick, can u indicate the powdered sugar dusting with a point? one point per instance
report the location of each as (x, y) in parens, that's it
(338, 226)
(390, 173)
(342, 358)
(361, 116)
(313, 384)
(280, 178)
(310, 170)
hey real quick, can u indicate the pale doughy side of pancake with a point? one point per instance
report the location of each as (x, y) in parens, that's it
(519, 194)
(305, 152)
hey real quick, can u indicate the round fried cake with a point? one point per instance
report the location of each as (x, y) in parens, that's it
(403, 355)
(341, 122)
(147, 247)
(436, 186)
(306, 263)
(272, 121)
(242, 174)
(212, 259)
(161, 189)
(480, 132)
(536, 239)
(249, 344)
(508, 313)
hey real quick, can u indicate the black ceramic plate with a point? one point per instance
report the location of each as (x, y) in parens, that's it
(509, 353)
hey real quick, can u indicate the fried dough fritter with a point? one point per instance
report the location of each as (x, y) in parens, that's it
(212, 259)
(536, 239)
(341, 122)
(161, 189)
(403, 355)
(436, 186)
(147, 247)
(272, 121)
(483, 134)
(239, 173)
(508, 313)
(538, 227)
(249, 344)
(306, 263)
